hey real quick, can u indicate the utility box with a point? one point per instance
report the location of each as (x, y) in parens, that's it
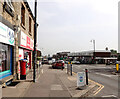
(81, 79)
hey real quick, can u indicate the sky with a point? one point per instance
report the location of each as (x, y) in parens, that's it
(70, 25)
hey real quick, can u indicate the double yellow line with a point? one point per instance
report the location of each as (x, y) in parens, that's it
(99, 88)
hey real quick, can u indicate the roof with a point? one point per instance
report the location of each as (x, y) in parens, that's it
(93, 51)
(97, 51)
(86, 53)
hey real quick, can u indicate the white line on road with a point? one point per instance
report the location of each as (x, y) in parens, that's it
(106, 75)
(110, 96)
(42, 71)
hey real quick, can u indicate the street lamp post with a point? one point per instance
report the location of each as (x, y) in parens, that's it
(94, 48)
(35, 35)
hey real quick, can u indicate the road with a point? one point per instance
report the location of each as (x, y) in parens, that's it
(101, 74)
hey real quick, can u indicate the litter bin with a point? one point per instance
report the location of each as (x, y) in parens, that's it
(23, 69)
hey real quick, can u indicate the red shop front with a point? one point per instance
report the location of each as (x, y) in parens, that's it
(26, 49)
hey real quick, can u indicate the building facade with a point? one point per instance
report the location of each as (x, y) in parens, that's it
(99, 56)
(7, 40)
(16, 38)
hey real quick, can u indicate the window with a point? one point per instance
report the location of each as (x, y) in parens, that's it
(29, 25)
(4, 57)
(9, 7)
(23, 15)
(9, 3)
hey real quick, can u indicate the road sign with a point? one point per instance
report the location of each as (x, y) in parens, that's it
(80, 79)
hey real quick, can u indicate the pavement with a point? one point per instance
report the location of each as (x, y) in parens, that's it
(51, 83)
(20, 86)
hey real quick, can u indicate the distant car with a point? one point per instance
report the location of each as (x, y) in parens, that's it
(50, 62)
(58, 64)
(109, 63)
(117, 62)
(66, 62)
(75, 62)
(45, 62)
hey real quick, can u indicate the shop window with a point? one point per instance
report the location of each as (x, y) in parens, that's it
(23, 15)
(4, 57)
(30, 26)
(27, 57)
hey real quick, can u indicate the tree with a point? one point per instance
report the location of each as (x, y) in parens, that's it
(113, 51)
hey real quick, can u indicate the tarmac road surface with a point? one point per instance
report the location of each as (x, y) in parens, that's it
(103, 75)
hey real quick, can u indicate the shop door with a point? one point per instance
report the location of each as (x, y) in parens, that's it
(29, 60)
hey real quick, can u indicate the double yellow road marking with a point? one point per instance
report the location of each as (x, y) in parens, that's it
(99, 88)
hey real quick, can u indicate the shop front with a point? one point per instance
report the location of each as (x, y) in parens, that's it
(25, 50)
(6, 50)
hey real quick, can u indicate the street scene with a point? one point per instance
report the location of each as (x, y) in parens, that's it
(59, 49)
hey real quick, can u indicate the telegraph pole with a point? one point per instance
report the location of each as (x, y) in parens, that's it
(35, 36)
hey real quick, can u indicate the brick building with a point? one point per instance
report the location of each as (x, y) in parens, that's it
(16, 38)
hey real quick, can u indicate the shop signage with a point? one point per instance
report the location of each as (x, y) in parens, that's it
(6, 34)
(80, 79)
(26, 41)
(21, 54)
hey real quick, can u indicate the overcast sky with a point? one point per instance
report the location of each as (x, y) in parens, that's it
(69, 25)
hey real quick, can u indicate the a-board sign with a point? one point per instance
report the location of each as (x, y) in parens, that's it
(81, 79)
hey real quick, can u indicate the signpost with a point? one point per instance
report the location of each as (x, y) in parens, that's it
(80, 79)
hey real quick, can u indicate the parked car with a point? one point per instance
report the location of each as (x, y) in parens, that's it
(45, 62)
(50, 62)
(66, 62)
(58, 64)
(75, 62)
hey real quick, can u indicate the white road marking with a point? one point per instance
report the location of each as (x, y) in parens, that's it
(42, 71)
(110, 96)
(106, 75)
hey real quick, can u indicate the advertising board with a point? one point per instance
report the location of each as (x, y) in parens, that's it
(80, 79)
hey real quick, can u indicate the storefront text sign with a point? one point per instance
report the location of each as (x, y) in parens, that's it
(6, 34)
(26, 41)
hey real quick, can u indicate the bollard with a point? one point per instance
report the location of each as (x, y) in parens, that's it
(67, 69)
(71, 68)
(117, 67)
(86, 71)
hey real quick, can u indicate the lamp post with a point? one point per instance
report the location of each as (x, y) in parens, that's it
(93, 48)
(35, 35)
